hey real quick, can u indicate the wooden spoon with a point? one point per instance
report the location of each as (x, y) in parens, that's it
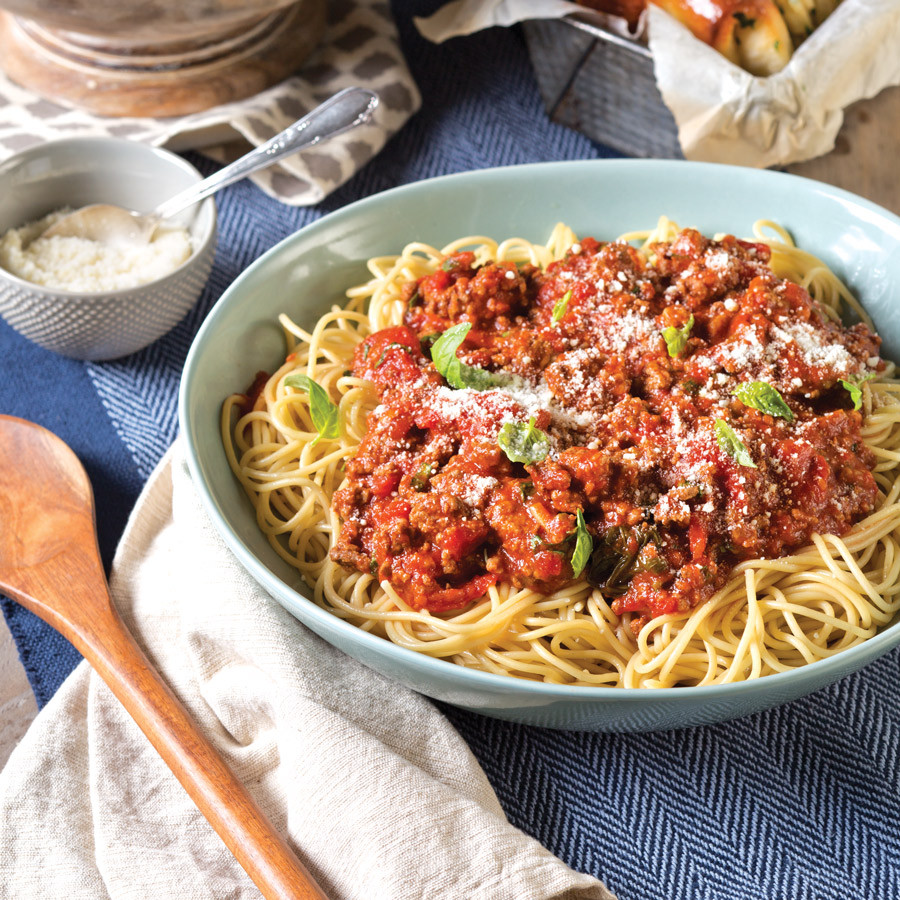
(50, 563)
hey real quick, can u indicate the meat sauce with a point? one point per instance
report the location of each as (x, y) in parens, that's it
(643, 471)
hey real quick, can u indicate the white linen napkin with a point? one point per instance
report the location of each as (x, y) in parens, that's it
(374, 788)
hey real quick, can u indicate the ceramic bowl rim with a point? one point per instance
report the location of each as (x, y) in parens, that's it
(462, 676)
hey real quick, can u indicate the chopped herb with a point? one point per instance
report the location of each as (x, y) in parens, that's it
(458, 374)
(373, 566)
(744, 20)
(527, 489)
(415, 299)
(623, 553)
(583, 545)
(650, 561)
(522, 442)
(762, 396)
(699, 488)
(677, 338)
(559, 310)
(426, 340)
(777, 46)
(419, 481)
(690, 386)
(393, 345)
(449, 264)
(535, 542)
(732, 444)
(855, 389)
(323, 412)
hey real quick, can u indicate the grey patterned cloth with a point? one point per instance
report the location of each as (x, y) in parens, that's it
(360, 47)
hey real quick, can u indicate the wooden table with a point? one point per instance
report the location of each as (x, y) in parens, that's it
(864, 159)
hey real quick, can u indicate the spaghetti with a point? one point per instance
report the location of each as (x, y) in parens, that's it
(523, 612)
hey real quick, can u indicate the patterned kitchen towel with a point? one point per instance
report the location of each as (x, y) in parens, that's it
(360, 47)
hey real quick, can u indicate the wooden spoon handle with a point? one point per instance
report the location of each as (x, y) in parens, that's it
(50, 563)
(219, 795)
(111, 650)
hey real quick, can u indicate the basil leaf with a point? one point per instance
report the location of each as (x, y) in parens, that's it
(855, 390)
(617, 558)
(443, 353)
(480, 379)
(584, 545)
(559, 310)
(323, 412)
(762, 396)
(732, 444)
(457, 373)
(677, 338)
(393, 345)
(522, 442)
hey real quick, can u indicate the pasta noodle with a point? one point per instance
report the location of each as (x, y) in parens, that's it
(773, 615)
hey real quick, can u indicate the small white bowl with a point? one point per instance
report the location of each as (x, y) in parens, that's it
(74, 172)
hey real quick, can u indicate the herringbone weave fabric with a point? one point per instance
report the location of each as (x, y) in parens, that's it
(799, 803)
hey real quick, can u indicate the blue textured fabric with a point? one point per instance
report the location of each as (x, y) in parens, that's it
(800, 803)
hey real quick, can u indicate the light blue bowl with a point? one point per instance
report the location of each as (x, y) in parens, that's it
(310, 270)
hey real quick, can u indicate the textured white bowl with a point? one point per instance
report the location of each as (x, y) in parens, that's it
(75, 172)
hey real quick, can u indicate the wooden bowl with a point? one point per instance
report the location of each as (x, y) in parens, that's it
(164, 58)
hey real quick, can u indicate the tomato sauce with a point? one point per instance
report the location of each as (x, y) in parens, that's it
(645, 424)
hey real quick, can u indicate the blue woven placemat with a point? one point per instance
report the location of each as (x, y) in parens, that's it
(800, 803)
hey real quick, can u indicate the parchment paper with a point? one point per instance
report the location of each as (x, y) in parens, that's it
(723, 113)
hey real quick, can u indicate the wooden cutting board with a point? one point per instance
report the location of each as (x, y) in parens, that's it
(166, 78)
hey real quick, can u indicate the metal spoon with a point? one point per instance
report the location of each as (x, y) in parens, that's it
(116, 226)
(49, 562)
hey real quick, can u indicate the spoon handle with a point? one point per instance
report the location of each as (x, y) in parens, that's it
(218, 794)
(345, 110)
(113, 653)
(49, 562)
